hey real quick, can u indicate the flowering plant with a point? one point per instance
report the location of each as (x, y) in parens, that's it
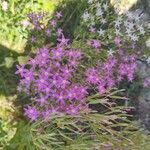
(64, 87)
(48, 78)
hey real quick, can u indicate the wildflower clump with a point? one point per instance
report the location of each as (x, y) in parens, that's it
(110, 73)
(47, 79)
(104, 23)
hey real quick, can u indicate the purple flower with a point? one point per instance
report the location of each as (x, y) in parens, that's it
(33, 39)
(146, 82)
(41, 84)
(96, 44)
(92, 76)
(59, 32)
(47, 114)
(20, 70)
(101, 89)
(60, 97)
(42, 100)
(48, 32)
(53, 23)
(58, 14)
(92, 29)
(57, 53)
(31, 113)
(28, 77)
(117, 41)
(72, 110)
(63, 41)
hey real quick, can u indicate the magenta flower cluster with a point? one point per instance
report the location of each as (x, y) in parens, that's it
(146, 82)
(110, 73)
(47, 79)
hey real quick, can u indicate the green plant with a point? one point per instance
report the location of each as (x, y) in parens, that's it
(14, 22)
(106, 126)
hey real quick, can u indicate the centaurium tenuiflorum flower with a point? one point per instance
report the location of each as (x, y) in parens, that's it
(47, 79)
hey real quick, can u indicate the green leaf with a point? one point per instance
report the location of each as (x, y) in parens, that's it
(23, 60)
(64, 136)
(9, 61)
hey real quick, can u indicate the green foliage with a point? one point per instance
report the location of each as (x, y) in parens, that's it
(22, 139)
(7, 121)
(109, 127)
(104, 127)
(13, 34)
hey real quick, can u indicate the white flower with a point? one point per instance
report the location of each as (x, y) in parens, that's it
(90, 1)
(105, 6)
(117, 32)
(103, 21)
(141, 29)
(130, 35)
(25, 23)
(126, 23)
(110, 52)
(129, 15)
(148, 25)
(134, 38)
(129, 31)
(119, 19)
(101, 32)
(86, 16)
(117, 10)
(4, 6)
(99, 12)
(131, 25)
(137, 18)
(148, 60)
(148, 43)
(142, 32)
(109, 36)
(117, 23)
(98, 5)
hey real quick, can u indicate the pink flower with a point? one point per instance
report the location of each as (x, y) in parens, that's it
(31, 113)
(92, 29)
(53, 23)
(58, 15)
(117, 41)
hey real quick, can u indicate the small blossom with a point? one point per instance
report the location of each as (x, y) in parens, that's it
(90, 1)
(31, 113)
(86, 16)
(110, 52)
(101, 32)
(58, 15)
(4, 6)
(146, 82)
(48, 32)
(25, 23)
(92, 29)
(63, 41)
(148, 60)
(117, 41)
(59, 32)
(53, 23)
